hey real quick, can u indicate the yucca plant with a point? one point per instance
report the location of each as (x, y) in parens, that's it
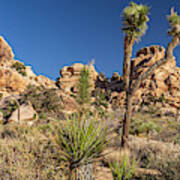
(83, 86)
(122, 170)
(81, 142)
(135, 18)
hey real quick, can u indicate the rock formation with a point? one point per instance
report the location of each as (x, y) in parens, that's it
(161, 90)
(14, 75)
(70, 76)
(163, 87)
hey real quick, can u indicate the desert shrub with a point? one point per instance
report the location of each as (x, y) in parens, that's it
(101, 97)
(43, 100)
(81, 142)
(123, 170)
(20, 68)
(139, 126)
(100, 103)
(7, 110)
(168, 167)
(162, 158)
(27, 153)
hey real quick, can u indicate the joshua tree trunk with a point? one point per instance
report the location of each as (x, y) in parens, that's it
(127, 118)
(84, 172)
(128, 45)
(131, 90)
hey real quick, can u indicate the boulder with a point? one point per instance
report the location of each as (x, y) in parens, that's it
(69, 76)
(165, 81)
(24, 114)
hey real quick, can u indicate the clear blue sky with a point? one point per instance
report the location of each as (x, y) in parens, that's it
(49, 34)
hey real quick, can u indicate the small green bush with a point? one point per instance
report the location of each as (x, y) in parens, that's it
(123, 170)
(43, 100)
(139, 126)
(20, 68)
(101, 97)
(167, 166)
(9, 108)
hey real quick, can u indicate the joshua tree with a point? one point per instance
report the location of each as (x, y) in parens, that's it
(135, 24)
(174, 31)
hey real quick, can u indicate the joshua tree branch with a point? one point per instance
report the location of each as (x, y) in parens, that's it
(169, 55)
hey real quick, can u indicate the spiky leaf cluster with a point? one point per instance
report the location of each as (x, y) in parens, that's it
(83, 95)
(122, 170)
(82, 141)
(174, 22)
(135, 18)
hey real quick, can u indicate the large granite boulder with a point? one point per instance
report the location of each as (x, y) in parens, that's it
(69, 76)
(24, 114)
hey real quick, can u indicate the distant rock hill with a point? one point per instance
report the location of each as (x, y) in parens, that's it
(161, 91)
(16, 80)
(14, 75)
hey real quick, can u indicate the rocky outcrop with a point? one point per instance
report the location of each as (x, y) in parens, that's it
(44, 81)
(69, 76)
(15, 76)
(162, 88)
